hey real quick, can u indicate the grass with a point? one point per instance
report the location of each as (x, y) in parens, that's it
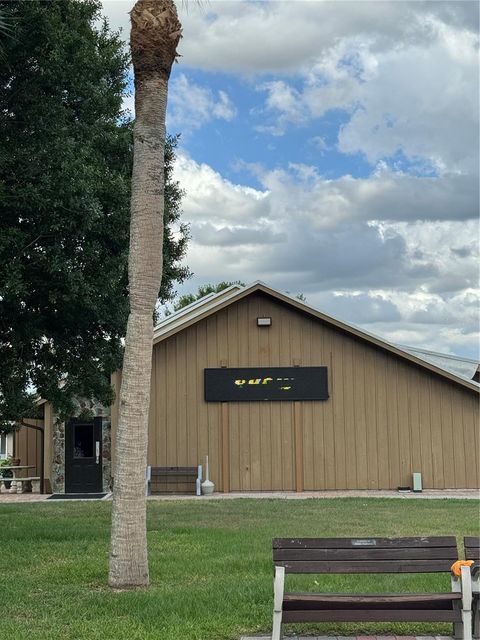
(210, 564)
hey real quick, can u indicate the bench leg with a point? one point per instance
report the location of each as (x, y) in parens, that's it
(35, 486)
(277, 626)
(457, 630)
(467, 625)
(476, 609)
(278, 585)
(467, 602)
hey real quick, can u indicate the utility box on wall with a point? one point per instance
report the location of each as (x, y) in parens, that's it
(417, 482)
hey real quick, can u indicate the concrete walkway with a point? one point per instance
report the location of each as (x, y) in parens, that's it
(288, 637)
(469, 494)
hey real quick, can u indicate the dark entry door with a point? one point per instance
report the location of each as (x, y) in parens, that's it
(83, 456)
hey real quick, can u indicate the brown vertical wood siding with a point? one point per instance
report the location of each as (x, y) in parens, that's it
(385, 419)
(28, 447)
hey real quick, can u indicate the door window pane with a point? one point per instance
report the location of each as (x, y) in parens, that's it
(83, 441)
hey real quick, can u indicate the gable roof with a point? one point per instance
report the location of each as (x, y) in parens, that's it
(213, 303)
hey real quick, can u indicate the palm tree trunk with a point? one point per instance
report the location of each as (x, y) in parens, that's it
(154, 38)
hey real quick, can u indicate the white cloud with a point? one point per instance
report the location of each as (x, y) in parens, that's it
(420, 99)
(210, 197)
(323, 233)
(277, 36)
(407, 72)
(386, 195)
(413, 282)
(191, 106)
(393, 252)
(253, 37)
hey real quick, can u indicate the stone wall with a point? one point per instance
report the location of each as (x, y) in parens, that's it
(57, 477)
(88, 410)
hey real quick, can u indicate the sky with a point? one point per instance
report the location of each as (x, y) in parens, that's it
(331, 148)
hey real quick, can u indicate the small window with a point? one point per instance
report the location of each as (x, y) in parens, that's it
(83, 441)
(3, 446)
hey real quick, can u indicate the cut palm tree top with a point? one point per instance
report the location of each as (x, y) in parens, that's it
(156, 32)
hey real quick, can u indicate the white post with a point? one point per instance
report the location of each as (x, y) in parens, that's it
(199, 480)
(278, 586)
(457, 588)
(148, 479)
(467, 603)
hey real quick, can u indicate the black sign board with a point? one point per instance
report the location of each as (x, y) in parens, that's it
(266, 383)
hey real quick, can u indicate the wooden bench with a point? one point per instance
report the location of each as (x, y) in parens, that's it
(369, 555)
(472, 552)
(173, 480)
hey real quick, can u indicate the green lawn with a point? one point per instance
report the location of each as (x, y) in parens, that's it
(210, 563)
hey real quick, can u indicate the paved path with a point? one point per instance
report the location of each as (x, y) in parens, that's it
(471, 494)
(10, 498)
(287, 637)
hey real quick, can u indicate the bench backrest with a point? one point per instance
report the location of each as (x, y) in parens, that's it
(173, 479)
(365, 555)
(472, 548)
(165, 471)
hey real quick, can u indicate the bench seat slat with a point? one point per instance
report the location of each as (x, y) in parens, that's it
(373, 615)
(366, 566)
(415, 553)
(308, 601)
(354, 543)
(371, 597)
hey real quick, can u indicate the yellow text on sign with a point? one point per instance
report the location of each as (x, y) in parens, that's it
(240, 382)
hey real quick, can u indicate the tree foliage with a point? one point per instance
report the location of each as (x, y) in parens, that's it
(65, 168)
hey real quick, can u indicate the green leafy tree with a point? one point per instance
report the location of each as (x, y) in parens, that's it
(66, 153)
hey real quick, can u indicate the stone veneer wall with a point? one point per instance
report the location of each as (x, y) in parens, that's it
(84, 407)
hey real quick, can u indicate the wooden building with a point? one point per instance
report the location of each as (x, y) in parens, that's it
(388, 413)
(285, 398)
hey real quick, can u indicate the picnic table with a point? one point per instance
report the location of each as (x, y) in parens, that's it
(17, 480)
